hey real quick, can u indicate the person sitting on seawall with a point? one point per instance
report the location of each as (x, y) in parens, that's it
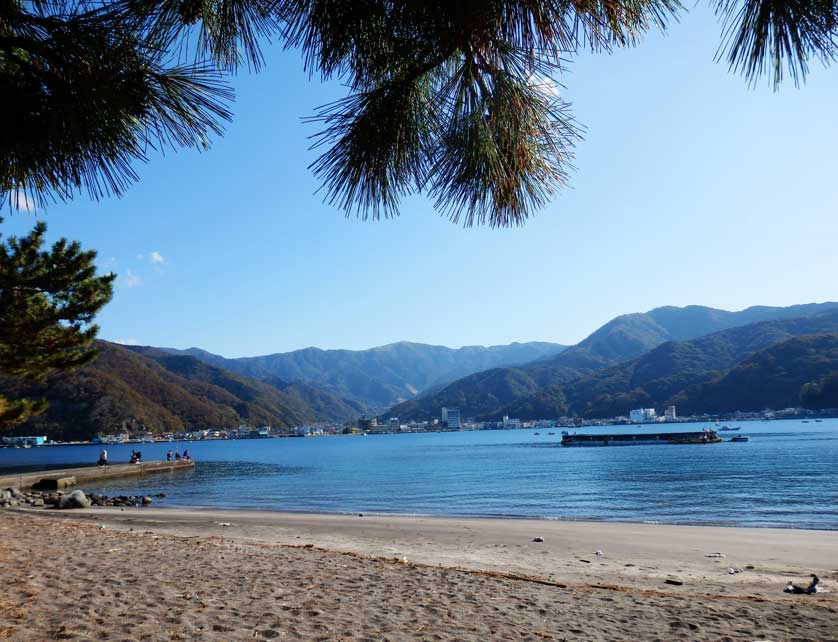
(186, 454)
(177, 456)
(170, 455)
(103, 458)
(136, 457)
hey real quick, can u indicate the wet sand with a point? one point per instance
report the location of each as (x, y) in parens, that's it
(172, 574)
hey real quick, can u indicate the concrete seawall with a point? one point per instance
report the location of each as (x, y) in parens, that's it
(75, 476)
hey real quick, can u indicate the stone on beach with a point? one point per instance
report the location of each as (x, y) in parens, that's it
(76, 499)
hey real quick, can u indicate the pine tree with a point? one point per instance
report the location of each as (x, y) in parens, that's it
(48, 299)
(458, 100)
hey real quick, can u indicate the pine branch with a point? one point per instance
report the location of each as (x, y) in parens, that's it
(775, 37)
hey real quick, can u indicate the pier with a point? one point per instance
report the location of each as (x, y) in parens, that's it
(64, 478)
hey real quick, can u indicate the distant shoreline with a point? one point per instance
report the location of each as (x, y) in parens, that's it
(555, 424)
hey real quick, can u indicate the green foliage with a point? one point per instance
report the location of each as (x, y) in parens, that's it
(455, 99)
(48, 299)
(764, 36)
(93, 90)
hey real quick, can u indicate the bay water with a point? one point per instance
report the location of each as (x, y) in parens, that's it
(786, 476)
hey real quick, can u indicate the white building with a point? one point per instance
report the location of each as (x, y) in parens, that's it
(451, 416)
(670, 413)
(642, 415)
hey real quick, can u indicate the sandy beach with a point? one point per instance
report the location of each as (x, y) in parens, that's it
(174, 574)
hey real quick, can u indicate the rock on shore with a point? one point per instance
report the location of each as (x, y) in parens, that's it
(13, 497)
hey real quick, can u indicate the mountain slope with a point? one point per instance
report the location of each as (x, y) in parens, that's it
(380, 376)
(792, 373)
(134, 388)
(653, 379)
(495, 387)
(623, 338)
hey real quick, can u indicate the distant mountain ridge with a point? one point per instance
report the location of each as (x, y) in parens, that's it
(129, 388)
(622, 339)
(381, 376)
(695, 357)
(663, 375)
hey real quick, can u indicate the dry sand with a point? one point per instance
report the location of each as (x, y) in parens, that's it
(167, 574)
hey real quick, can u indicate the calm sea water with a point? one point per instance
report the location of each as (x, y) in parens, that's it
(786, 476)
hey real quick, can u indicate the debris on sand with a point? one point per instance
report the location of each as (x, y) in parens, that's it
(801, 590)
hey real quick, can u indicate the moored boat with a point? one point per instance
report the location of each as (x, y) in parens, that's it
(740, 438)
(641, 439)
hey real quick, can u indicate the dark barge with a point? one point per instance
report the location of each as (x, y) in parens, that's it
(642, 439)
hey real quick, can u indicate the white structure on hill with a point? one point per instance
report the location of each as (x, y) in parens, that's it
(670, 413)
(642, 415)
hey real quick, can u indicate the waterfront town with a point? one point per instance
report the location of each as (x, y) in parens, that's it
(449, 421)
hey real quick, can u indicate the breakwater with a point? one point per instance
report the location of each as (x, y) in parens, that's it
(67, 477)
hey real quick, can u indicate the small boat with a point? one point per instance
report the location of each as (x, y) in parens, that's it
(740, 438)
(805, 421)
(538, 433)
(729, 429)
(551, 433)
(817, 421)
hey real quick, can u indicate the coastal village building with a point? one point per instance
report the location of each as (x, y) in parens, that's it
(642, 415)
(669, 414)
(451, 417)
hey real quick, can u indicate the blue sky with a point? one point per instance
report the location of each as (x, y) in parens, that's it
(690, 187)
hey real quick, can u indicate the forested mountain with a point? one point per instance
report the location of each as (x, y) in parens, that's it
(657, 378)
(799, 371)
(472, 395)
(379, 377)
(536, 390)
(140, 387)
(629, 362)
